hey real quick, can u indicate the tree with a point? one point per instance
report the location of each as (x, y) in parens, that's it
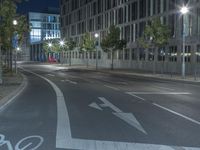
(87, 45)
(8, 30)
(52, 46)
(156, 35)
(71, 44)
(112, 42)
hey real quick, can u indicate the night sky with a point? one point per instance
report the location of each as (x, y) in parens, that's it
(36, 5)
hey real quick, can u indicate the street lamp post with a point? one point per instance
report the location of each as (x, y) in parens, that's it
(184, 10)
(62, 43)
(17, 49)
(97, 40)
(49, 55)
(15, 24)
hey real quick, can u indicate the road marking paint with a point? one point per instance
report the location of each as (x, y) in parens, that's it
(130, 93)
(72, 82)
(94, 105)
(23, 143)
(106, 103)
(129, 118)
(165, 88)
(178, 114)
(114, 88)
(169, 110)
(52, 75)
(63, 131)
(159, 93)
(64, 138)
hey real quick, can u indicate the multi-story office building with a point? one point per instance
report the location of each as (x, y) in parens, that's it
(80, 16)
(44, 26)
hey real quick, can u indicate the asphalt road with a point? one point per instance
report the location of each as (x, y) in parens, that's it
(87, 110)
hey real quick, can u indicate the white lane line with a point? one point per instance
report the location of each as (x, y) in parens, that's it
(165, 88)
(130, 93)
(51, 75)
(178, 114)
(63, 132)
(166, 109)
(160, 93)
(109, 104)
(111, 87)
(72, 82)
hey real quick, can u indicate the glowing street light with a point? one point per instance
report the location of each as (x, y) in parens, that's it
(18, 49)
(50, 45)
(184, 10)
(96, 35)
(15, 22)
(62, 43)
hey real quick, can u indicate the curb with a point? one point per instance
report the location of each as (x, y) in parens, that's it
(11, 97)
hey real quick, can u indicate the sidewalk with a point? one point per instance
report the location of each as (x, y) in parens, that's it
(136, 73)
(11, 87)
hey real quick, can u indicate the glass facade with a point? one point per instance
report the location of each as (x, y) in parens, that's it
(44, 26)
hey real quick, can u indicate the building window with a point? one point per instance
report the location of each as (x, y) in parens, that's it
(161, 54)
(126, 54)
(187, 53)
(134, 10)
(120, 54)
(99, 54)
(172, 24)
(127, 33)
(198, 54)
(133, 53)
(142, 54)
(173, 54)
(151, 54)
(142, 8)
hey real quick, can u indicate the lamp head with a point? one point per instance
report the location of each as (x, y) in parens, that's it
(15, 22)
(96, 35)
(184, 10)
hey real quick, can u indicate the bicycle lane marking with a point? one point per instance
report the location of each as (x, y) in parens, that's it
(22, 145)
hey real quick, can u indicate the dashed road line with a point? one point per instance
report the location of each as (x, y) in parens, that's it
(176, 113)
(52, 75)
(160, 93)
(111, 87)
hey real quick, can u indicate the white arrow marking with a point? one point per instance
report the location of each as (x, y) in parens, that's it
(94, 105)
(131, 120)
(127, 117)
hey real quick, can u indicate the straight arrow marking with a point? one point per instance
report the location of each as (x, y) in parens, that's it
(96, 106)
(131, 120)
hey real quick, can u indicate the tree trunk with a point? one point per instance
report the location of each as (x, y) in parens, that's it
(155, 59)
(10, 60)
(112, 60)
(70, 58)
(87, 59)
